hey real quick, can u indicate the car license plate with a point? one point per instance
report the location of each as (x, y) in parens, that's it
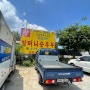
(62, 80)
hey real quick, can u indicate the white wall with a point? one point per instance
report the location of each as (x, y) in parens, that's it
(5, 33)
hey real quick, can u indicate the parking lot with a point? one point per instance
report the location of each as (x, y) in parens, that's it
(26, 78)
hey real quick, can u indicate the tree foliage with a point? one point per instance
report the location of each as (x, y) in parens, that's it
(16, 35)
(75, 37)
(17, 49)
(56, 45)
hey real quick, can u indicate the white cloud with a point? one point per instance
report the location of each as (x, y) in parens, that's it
(40, 1)
(33, 26)
(14, 22)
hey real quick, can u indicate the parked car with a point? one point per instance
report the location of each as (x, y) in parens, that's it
(83, 61)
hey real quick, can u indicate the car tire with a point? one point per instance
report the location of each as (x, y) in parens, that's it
(2, 88)
(40, 80)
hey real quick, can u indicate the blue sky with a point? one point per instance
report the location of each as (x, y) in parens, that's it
(45, 14)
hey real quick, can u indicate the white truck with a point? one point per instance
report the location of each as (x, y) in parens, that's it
(7, 54)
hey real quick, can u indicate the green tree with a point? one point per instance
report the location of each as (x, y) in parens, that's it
(17, 49)
(85, 37)
(16, 35)
(75, 37)
(56, 45)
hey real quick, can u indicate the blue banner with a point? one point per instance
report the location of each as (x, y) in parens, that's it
(5, 51)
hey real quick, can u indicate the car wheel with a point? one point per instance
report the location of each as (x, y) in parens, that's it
(2, 88)
(40, 80)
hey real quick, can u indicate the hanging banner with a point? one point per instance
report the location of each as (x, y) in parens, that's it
(33, 40)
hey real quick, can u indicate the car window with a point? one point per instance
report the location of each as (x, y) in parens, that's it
(82, 59)
(85, 58)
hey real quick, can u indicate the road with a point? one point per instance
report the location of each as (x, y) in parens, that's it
(26, 78)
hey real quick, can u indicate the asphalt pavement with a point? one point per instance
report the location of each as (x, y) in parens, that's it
(26, 78)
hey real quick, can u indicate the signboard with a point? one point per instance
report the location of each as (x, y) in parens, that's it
(33, 40)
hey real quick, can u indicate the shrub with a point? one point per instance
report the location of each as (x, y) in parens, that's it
(26, 63)
(62, 59)
(29, 61)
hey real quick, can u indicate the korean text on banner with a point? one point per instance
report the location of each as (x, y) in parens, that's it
(33, 40)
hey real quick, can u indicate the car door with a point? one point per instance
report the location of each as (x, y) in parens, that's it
(86, 67)
(84, 63)
(79, 62)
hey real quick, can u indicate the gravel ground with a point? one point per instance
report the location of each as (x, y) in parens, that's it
(27, 79)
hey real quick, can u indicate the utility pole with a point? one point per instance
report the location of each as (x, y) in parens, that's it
(26, 23)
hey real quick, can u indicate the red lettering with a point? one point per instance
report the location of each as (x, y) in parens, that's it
(32, 52)
(47, 44)
(24, 42)
(52, 44)
(29, 43)
(41, 44)
(36, 43)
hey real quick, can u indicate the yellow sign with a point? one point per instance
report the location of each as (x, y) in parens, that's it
(33, 40)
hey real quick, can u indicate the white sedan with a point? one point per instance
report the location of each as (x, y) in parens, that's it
(83, 62)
